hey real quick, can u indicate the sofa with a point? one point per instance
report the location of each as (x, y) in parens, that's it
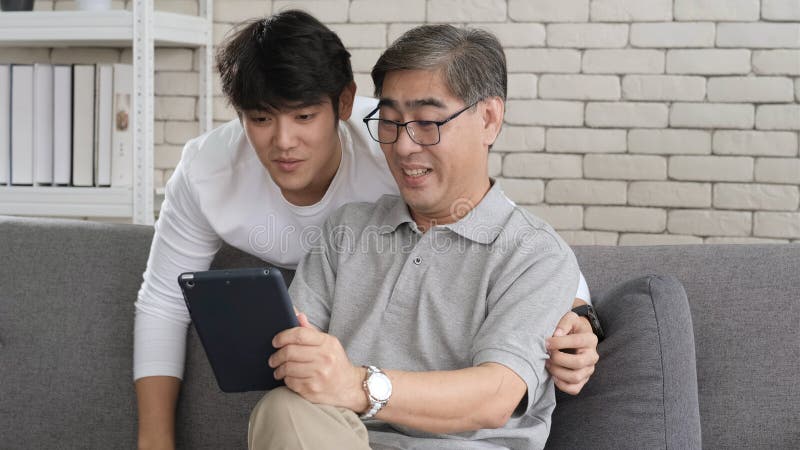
(702, 347)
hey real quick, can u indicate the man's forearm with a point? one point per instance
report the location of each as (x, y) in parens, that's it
(156, 398)
(453, 401)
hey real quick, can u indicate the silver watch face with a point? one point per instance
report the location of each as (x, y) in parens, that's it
(379, 386)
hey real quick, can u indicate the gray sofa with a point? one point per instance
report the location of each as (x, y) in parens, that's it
(709, 349)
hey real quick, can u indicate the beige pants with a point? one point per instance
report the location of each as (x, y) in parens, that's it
(284, 420)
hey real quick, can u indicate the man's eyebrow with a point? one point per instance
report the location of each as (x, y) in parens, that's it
(413, 104)
(425, 102)
(387, 102)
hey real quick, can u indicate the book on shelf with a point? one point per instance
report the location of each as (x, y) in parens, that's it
(83, 90)
(5, 123)
(22, 124)
(103, 123)
(62, 125)
(43, 124)
(121, 132)
(66, 125)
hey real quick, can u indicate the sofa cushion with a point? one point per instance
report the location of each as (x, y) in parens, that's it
(643, 393)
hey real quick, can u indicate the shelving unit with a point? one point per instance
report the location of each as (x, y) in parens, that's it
(143, 29)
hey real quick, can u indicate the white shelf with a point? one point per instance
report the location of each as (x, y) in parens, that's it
(142, 29)
(66, 201)
(97, 29)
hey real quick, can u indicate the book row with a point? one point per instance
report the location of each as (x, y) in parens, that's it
(66, 125)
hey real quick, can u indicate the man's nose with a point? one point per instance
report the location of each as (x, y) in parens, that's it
(285, 136)
(405, 145)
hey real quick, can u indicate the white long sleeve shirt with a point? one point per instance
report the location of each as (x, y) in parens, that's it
(219, 192)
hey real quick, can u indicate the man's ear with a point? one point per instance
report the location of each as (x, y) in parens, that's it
(493, 113)
(346, 99)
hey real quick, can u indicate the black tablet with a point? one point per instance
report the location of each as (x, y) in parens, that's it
(236, 313)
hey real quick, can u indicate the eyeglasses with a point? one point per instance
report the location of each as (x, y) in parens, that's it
(423, 132)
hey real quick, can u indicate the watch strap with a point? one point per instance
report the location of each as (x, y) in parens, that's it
(589, 312)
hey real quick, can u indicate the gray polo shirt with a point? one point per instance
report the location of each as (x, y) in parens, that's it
(488, 288)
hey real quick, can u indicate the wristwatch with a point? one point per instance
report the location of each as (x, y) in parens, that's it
(378, 388)
(588, 312)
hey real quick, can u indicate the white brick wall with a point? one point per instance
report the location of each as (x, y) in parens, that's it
(757, 143)
(543, 60)
(519, 139)
(711, 168)
(627, 115)
(750, 89)
(615, 218)
(628, 122)
(586, 140)
(522, 190)
(711, 115)
(669, 194)
(756, 196)
(522, 85)
(776, 62)
(542, 166)
(658, 239)
(670, 142)
(778, 117)
(580, 87)
(672, 34)
(710, 223)
(544, 112)
(759, 35)
(595, 35)
(561, 217)
(466, 10)
(631, 10)
(587, 192)
(548, 10)
(623, 61)
(663, 88)
(777, 225)
(784, 10)
(625, 167)
(708, 62)
(379, 10)
(717, 10)
(778, 170)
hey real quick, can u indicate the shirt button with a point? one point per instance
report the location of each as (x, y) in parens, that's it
(417, 260)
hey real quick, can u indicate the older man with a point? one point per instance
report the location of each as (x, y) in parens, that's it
(426, 314)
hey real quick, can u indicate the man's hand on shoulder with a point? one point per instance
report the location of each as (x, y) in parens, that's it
(572, 368)
(314, 365)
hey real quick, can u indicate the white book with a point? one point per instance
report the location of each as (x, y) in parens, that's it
(5, 123)
(83, 125)
(103, 125)
(121, 134)
(43, 123)
(62, 124)
(22, 124)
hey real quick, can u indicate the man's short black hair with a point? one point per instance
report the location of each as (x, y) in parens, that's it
(285, 60)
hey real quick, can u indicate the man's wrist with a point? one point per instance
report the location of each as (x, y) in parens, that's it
(360, 397)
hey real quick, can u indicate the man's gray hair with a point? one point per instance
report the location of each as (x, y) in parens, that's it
(472, 61)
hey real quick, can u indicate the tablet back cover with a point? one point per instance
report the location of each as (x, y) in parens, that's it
(237, 313)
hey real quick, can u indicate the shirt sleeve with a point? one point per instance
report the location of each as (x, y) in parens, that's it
(314, 281)
(183, 241)
(583, 290)
(523, 309)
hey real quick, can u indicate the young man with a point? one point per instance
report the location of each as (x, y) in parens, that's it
(428, 312)
(265, 183)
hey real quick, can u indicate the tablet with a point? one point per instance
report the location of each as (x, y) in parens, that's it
(237, 312)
